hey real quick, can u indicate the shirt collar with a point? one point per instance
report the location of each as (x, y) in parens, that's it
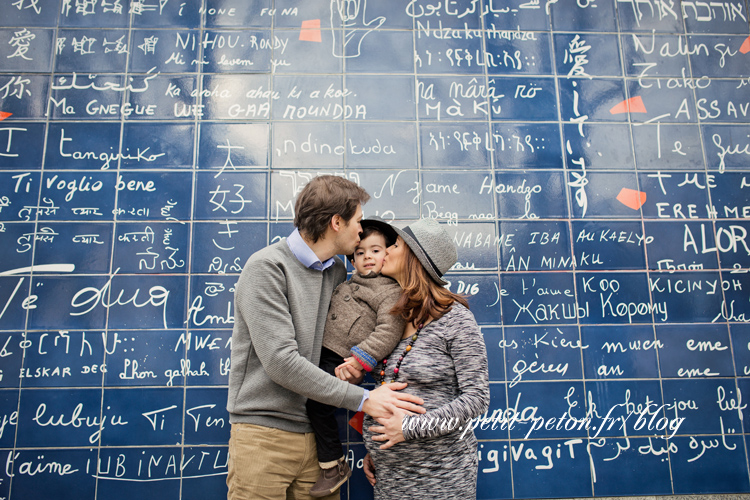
(304, 253)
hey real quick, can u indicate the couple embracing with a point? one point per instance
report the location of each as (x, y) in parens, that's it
(393, 318)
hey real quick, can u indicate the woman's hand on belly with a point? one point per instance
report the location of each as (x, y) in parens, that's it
(390, 430)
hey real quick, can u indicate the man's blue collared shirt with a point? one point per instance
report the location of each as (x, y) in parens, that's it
(305, 254)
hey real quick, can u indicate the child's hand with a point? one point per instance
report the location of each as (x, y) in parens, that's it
(353, 363)
(348, 372)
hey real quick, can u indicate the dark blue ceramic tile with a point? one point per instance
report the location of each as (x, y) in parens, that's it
(687, 296)
(496, 346)
(524, 99)
(658, 17)
(228, 13)
(8, 417)
(77, 196)
(27, 50)
(46, 417)
(717, 18)
(494, 474)
(468, 145)
(583, 100)
(503, 18)
(80, 146)
(379, 51)
(482, 293)
(11, 377)
(206, 419)
(649, 55)
(86, 246)
(169, 98)
(542, 245)
(694, 351)
(185, 14)
(661, 103)
(462, 97)
(626, 408)
(726, 146)
(146, 358)
(30, 14)
(727, 197)
(394, 193)
(358, 486)
(528, 195)
(242, 51)
(496, 422)
(223, 247)
(734, 307)
(153, 416)
(231, 195)
(71, 97)
(618, 298)
(68, 480)
(568, 15)
(294, 55)
(707, 405)
(662, 146)
(89, 14)
(24, 95)
(680, 245)
(381, 145)
(146, 302)
(203, 478)
(21, 237)
(63, 359)
(599, 146)
(13, 292)
(447, 196)
(524, 146)
(374, 97)
(730, 61)
(245, 97)
(208, 357)
(539, 473)
(537, 298)
(476, 245)
(168, 51)
(91, 51)
(227, 147)
(16, 138)
(162, 145)
(613, 245)
(312, 145)
(151, 473)
(620, 468)
(542, 353)
(322, 99)
(675, 195)
(721, 469)
(620, 351)
(587, 55)
(211, 302)
(595, 194)
(18, 192)
(153, 195)
(436, 53)
(740, 334)
(532, 56)
(73, 302)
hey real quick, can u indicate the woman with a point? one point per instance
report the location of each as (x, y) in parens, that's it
(443, 359)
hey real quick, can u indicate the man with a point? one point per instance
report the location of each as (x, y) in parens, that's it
(281, 302)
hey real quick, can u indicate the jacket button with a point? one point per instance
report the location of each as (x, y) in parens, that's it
(333, 316)
(347, 297)
(356, 287)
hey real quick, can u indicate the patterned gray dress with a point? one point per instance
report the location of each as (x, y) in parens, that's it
(447, 367)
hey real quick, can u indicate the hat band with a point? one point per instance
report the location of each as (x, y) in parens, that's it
(408, 231)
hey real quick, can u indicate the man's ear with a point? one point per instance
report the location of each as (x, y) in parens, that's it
(336, 222)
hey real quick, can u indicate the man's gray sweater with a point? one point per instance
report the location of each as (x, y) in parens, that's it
(280, 314)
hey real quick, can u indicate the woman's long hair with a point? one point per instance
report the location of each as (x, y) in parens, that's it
(421, 297)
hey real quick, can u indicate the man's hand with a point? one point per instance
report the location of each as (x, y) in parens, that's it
(390, 429)
(386, 396)
(369, 468)
(350, 371)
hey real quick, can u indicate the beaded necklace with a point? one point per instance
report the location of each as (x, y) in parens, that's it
(400, 358)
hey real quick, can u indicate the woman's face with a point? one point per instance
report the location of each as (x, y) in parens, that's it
(393, 264)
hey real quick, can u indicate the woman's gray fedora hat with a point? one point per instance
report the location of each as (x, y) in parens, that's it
(432, 246)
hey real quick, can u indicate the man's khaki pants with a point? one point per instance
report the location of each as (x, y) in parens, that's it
(271, 464)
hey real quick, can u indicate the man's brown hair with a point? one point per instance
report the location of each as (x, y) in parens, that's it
(321, 199)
